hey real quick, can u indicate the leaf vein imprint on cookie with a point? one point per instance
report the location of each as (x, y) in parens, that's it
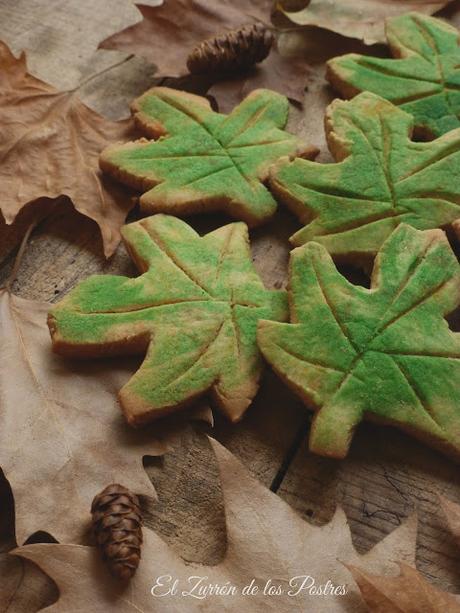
(384, 353)
(436, 52)
(380, 179)
(202, 160)
(423, 78)
(193, 313)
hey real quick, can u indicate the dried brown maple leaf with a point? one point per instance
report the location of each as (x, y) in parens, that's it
(62, 438)
(266, 540)
(408, 593)
(49, 146)
(168, 33)
(361, 19)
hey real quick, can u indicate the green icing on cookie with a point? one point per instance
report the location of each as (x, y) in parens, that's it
(194, 312)
(381, 179)
(207, 160)
(384, 353)
(424, 79)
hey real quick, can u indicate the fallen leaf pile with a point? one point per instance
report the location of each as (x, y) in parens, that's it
(70, 440)
(179, 26)
(266, 541)
(362, 19)
(49, 146)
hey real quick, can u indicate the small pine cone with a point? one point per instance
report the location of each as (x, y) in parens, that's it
(231, 52)
(117, 523)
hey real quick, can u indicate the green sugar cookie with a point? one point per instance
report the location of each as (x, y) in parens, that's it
(423, 79)
(382, 178)
(385, 354)
(193, 312)
(202, 160)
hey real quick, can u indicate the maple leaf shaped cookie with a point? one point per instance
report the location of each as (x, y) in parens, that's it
(194, 312)
(384, 353)
(424, 79)
(381, 179)
(204, 160)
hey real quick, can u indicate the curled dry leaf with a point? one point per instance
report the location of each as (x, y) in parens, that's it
(361, 19)
(23, 587)
(266, 540)
(61, 436)
(408, 593)
(180, 25)
(49, 146)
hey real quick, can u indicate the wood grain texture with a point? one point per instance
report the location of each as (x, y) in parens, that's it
(387, 475)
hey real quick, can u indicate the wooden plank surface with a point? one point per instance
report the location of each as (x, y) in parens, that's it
(387, 476)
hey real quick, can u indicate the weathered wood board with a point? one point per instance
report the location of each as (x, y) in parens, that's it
(387, 477)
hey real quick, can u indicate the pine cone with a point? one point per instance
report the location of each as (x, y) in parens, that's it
(231, 52)
(117, 522)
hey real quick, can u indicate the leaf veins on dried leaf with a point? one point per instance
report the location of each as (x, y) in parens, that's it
(265, 539)
(168, 33)
(362, 19)
(408, 593)
(49, 146)
(61, 437)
